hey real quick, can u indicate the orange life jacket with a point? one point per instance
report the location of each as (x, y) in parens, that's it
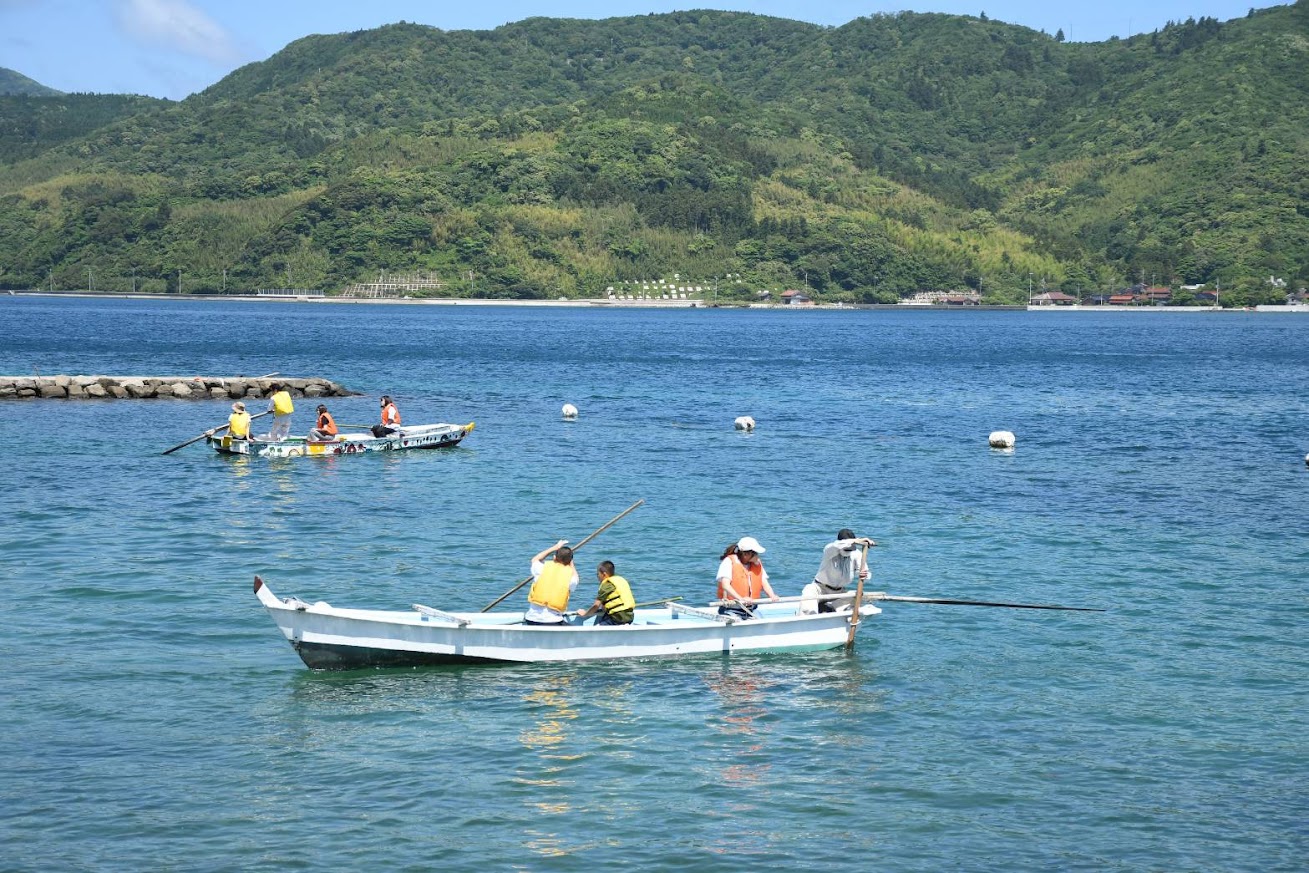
(747, 581)
(390, 415)
(325, 423)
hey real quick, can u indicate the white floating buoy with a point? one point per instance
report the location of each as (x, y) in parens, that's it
(570, 412)
(744, 422)
(1001, 439)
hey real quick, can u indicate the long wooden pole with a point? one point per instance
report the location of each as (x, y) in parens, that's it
(206, 433)
(986, 603)
(874, 596)
(858, 602)
(604, 527)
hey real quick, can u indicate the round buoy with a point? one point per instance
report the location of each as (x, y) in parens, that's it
(744, 422)
(570, 412)
(1001, 439)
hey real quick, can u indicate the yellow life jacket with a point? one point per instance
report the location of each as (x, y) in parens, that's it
(282, 404)
(238, 424)
(551, 588)
(621, 598)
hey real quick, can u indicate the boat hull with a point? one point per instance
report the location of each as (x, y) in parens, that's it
(423, 436)
(328, 638)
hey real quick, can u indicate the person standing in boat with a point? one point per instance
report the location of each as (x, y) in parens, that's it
(325, 429)
(281, 406)
(552, 583)
(842, 564)
(614, 601)
(741, 577)
(390, 418)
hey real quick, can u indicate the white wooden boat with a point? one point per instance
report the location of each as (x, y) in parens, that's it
(330, 638)
(420, 436)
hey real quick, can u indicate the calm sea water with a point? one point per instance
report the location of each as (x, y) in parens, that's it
(153, 718)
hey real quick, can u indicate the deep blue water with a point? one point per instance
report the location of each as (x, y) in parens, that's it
(153, 718)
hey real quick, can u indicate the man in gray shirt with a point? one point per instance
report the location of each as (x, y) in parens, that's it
(842, 564)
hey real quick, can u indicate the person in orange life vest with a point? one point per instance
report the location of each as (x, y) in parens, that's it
(325, 430)
(552, 583)
(741, 576)
(280, 405)
(390, 418)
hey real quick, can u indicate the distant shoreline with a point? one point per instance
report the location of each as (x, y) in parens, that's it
(696, 303)
(588, 302)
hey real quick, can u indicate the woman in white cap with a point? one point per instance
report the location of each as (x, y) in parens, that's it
(741, 576)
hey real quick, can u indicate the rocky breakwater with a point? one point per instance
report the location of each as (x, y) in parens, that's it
(161, 387)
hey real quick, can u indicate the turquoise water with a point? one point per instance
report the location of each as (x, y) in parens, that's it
(153, 718)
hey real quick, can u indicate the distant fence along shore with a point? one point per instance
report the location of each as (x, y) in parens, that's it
(162, 387)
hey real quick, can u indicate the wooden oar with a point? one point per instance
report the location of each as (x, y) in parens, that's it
(858, 599)
(207, 433)
(574, 613)
(874, 596)
(493, 604)
(656, 602)
(982, 603)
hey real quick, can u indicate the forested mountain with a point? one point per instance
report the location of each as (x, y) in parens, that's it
(12, 82)
(893, 154)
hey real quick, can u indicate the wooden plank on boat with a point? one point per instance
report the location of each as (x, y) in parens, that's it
(429, 612)
(707, 614)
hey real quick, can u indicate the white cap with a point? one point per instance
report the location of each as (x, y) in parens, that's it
(749, 544)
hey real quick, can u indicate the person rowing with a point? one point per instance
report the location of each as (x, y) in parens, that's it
(552, 583)
(842, 564)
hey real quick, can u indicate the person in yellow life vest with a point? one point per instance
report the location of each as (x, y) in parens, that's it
(238, 423)
(325, 429)
(281, 406)
(552, 583)
(614, 601)
(742, 577)
(390, 418)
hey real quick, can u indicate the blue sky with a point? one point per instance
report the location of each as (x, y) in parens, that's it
(172, 48)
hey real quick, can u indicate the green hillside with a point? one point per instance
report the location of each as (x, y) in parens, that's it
(16, 84)
(891, 155)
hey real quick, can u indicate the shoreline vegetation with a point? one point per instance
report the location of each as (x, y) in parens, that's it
(608, 303)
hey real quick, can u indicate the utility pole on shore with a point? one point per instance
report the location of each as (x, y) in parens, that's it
(179, 281)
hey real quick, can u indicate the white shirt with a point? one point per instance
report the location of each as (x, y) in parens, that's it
(544, 614)
(840, 566)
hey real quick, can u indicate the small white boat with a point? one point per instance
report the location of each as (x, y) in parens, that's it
(330, 638)
(420, 436)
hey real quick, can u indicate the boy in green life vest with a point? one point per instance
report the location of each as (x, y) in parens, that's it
(614, 601)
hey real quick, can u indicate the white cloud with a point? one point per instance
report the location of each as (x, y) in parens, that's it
(179, 25)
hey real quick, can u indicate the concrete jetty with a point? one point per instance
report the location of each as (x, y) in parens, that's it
(162, 387)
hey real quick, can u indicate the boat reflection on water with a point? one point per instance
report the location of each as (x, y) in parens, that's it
(743, 721)
(543, 772)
